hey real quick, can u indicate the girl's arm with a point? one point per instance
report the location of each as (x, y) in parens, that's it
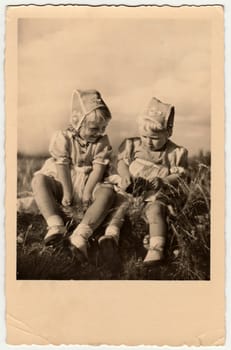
(123, 171)
(159, 182)
(60, 151)
(180, 169)
(122, 168)
(95, 176)
(64, 176)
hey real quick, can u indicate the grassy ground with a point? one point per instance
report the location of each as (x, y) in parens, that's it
(187, 250)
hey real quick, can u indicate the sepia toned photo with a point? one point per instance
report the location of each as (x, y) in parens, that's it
(113, 149)
(111, 138)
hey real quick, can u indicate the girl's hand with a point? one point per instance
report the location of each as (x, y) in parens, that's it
(125, 182)
(66, 201)
(157, 183)
(86, 205)
(87, 198)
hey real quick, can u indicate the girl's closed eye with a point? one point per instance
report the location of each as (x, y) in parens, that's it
(103, 128)
(154, 140)
(94, 125)
(92, 130)
(97, 130)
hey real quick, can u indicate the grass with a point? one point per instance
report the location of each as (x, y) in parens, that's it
(187, 253)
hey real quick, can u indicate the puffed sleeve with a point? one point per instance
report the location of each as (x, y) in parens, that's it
(179, 161)
(103, 151)
(125, 151)
(60, 148)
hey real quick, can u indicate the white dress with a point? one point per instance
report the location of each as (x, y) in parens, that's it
(172, 159)
(142, 162)
(67, 148)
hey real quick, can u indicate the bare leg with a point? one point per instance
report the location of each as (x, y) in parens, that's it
(119, 211)
(96, 213)
(94, 216)
(46, 191)
(156, 216)
(108, 243)
(116, 219)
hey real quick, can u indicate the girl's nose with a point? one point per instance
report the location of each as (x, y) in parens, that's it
(101, 131)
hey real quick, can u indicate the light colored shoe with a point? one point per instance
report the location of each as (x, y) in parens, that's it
(55, 234)
(155, 251)
(80, 243)
(153, 256)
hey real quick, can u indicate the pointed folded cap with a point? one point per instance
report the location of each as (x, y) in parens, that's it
(160, 112)
(84, 102)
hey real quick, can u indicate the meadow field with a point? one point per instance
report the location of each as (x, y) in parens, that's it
(187, 254)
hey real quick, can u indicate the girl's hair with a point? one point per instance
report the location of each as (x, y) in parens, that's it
(101, 114)
(148, 125)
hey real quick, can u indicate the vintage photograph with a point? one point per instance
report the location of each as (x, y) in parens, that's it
(114, 159)
(113, 148)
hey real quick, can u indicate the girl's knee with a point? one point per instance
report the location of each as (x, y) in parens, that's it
(106, 193)
(154, 211)
(38, 181)
(109, 193)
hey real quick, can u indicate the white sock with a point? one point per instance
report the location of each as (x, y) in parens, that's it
(113, 231)
(157, 242)
(80, 237)
(54, 220)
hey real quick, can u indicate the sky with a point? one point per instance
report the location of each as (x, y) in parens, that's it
(128, 60)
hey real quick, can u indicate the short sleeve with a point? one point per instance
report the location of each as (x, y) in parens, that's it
(60, 148)
(103, 151)
(125, 151)
(179, 161)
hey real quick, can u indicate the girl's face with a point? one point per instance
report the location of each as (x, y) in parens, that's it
(154, 140)
(92, 130)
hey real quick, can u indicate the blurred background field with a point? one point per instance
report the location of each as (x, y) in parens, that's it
(188, 245)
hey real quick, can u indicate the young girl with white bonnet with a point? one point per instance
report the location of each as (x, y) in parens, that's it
(80, 157)
(154, 157)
